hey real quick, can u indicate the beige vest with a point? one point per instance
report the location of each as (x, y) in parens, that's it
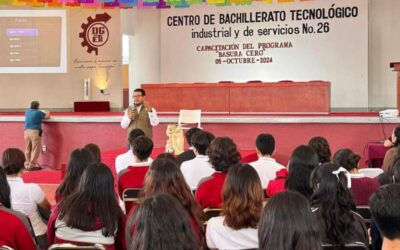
(141, 121)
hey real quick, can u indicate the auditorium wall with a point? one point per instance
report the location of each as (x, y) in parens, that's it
(59, 91)
(383, 40)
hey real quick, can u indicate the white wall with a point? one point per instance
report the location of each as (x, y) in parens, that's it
(144, 65)
(383, 44)
(384, 47)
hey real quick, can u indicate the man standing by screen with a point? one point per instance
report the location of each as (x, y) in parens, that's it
(141, 115)
(33, 134)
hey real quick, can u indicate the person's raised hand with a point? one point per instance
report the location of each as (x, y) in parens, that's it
(147, 106)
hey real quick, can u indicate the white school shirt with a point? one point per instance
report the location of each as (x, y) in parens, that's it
(266, 168)
(196, 169)
(223, 237)
(25, 198)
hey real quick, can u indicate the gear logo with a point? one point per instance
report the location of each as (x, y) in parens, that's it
(95, 33)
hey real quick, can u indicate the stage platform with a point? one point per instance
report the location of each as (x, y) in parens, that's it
(66, 131)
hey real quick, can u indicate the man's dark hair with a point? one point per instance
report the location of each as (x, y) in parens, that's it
(265, 143)
(142, 92)
(190, 133)
(201, 140)
(385, 210)
(142, 147)
(135, 133)
(35, 105)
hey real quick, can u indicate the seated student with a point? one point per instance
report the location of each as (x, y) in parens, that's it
(297, 178)
(385, 211)
(78, 161)
(95, 151)
(133, 176)
(242, 198)
(167, 155)
(15, 229)
(266, 166)
(188, 154)
(376, 238)
(392, 153)
(91, 214)
(123, 161)
(198, 168)
(164, 177)
(361, 187)
(26, 197)
(160, 223)
(223, 154)
(321, 147)
(333, 204)
(288, 223)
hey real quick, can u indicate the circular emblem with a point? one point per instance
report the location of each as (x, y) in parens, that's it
(95, 33)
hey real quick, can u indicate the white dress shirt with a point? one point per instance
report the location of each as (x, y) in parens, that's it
(266, 168)
(123, 161)
(154, 121)
(222, 237)
(196, 169)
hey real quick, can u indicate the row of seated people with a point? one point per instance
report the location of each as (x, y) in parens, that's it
(200, 163)
(225, 156)
(168, 216)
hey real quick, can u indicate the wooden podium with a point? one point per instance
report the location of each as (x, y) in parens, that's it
(396, 67)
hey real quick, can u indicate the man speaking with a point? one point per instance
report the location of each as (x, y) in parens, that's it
(141, 115)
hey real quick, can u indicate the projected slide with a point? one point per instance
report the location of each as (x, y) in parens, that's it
(33, 41)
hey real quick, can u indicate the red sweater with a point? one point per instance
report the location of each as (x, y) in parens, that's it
(209, 191)
(13, 232)
(132, 177)
(277, 185)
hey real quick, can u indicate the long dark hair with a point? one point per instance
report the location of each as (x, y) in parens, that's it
(242, 197)
(78, 161)
(4, 190)
(161, 223)
(288, 223)
(95, 200)
(165, 177)
(334, 201)
(301, 164)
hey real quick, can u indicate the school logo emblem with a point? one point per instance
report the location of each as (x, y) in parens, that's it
(95, 32)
